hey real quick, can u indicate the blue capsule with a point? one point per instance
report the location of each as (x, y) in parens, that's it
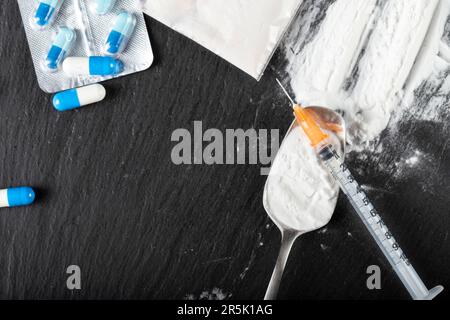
(78, 97)
(62, 44)
(15, 197)
(102, 6)
(123, 28)
(46, 12)
(92, 66)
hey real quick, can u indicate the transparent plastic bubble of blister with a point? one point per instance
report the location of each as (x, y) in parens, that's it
(44, 13)
(62, 43)
(120, 33)
(101, 7)
(85, 29)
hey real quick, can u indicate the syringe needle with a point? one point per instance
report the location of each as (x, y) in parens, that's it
(285, 92)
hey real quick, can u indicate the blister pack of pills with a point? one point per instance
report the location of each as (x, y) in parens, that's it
(74, 43)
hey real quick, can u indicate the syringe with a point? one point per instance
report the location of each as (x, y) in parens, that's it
(362, 205)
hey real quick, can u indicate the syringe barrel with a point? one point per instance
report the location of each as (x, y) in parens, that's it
(411, 281)
(375, 224)
(404, 270)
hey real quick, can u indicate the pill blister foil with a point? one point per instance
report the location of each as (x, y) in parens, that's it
(92, 31)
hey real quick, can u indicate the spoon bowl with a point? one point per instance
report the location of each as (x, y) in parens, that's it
(335, 125)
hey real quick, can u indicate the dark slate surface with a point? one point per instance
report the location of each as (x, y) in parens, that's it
(111, 201)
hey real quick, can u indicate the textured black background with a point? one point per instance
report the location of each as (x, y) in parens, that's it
(111, 201)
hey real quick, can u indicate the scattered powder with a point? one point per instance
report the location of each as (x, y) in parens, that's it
(214, 294)
(300, 194)
(252, 256)
(410, 161)
(366, 59)
(413, 160)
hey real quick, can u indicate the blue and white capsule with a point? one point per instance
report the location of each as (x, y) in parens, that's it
(79, 97)
(45, 13)
(120, 34)
(62, 44)
(102, 7)
(92, 66)
(16, 197)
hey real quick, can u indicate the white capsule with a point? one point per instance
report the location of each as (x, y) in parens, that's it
(75, 98)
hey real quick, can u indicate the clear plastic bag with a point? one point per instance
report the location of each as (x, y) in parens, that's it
(245, 33)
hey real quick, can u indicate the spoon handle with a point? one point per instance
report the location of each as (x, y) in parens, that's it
(287, 240)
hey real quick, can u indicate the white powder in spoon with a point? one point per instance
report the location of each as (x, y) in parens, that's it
(300, 193)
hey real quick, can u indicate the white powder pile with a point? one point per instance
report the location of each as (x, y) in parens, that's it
(365, 58)
(300, 194)
(325, 63)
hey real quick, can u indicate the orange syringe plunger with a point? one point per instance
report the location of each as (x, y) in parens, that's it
(310, 125)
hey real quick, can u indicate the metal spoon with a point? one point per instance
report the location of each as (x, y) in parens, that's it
(336, 124)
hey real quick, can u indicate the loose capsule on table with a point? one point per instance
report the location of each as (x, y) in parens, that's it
(62, 44)
(15, 197)
(92, 66)
(45, 13)
(102, 6)
(119, 36)
(79, 97)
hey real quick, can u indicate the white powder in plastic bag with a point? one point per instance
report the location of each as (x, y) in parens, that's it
(245, 33)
